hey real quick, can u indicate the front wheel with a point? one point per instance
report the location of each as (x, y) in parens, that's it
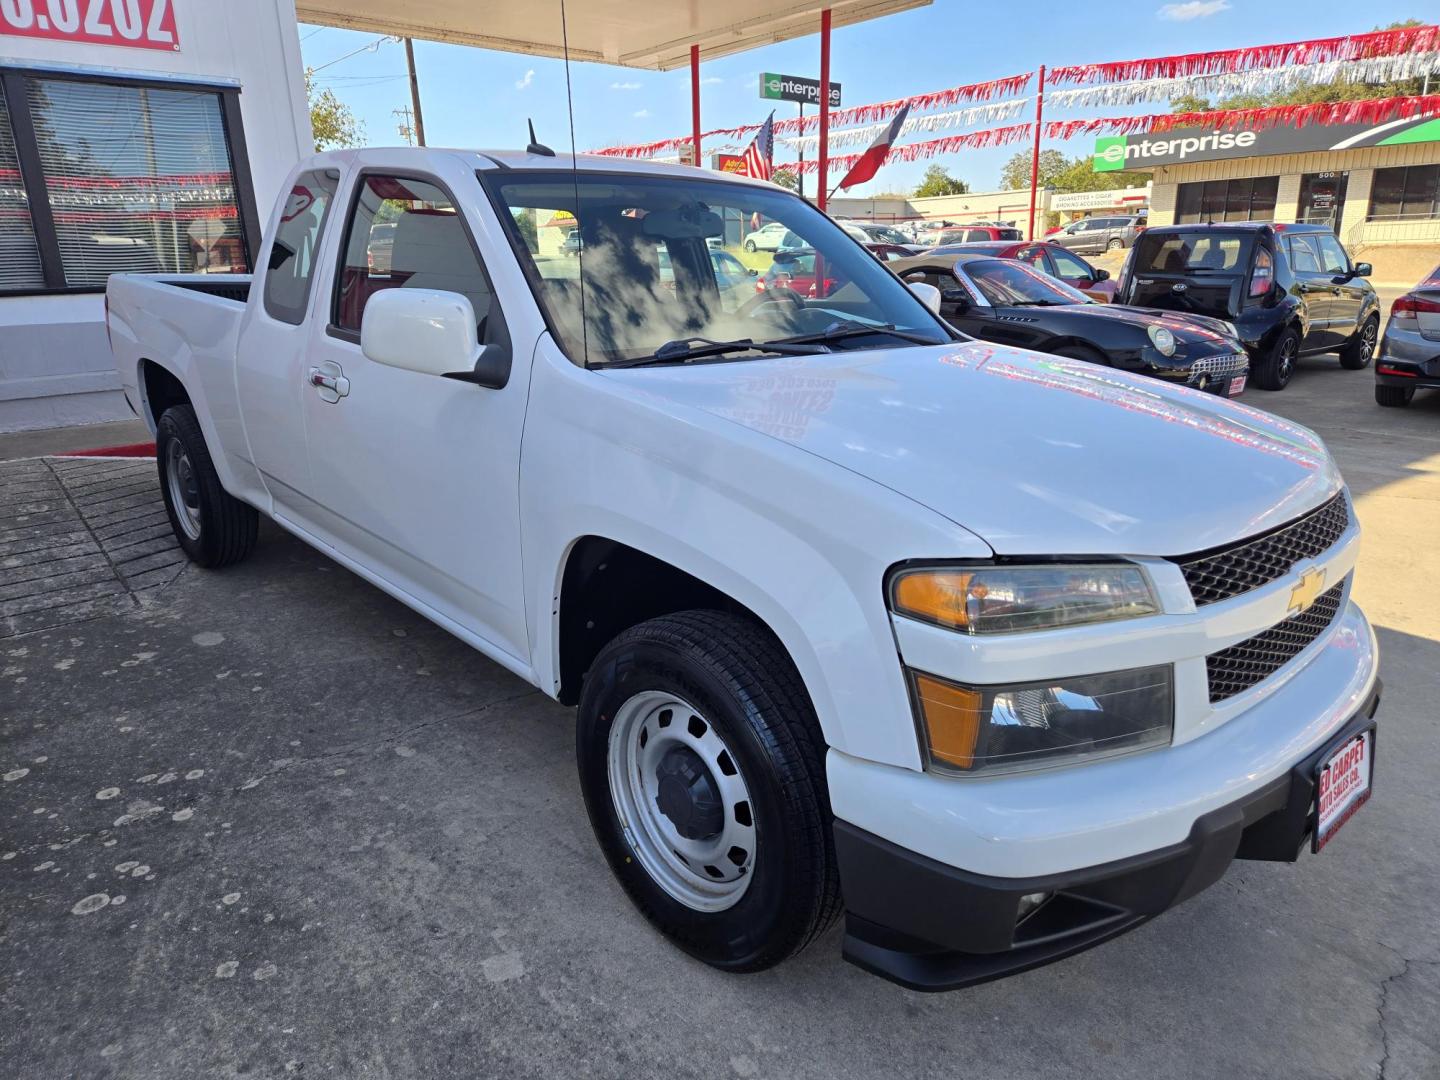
(702, 767)
(1115, 244)
(213, 527)
(750, 246)
(1274, 371)
(1393, 397)
(1359, 349)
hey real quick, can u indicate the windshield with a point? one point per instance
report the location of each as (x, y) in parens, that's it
(886, 235)
(662, 259)
(1192, 252)
(1006, 283)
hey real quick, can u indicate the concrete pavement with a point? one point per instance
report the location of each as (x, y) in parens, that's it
(268, 822)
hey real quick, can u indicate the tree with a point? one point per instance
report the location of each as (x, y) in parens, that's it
(937, 181)
(331, 120)
(1065, 174)
(1016, 173)
(786, 178)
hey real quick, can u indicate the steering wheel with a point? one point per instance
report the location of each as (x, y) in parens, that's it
(781, 294)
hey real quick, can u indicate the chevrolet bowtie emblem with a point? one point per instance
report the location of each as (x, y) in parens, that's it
(1307, 590)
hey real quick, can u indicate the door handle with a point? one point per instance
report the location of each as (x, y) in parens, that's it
(332, 387)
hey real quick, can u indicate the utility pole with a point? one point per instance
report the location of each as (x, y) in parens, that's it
(800, 172)
(407, 131)
(415, 92)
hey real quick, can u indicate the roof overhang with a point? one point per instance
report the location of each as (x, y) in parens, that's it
(629, 33)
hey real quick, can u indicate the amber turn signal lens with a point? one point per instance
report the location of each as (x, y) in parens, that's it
(939, 597)
(952, 719)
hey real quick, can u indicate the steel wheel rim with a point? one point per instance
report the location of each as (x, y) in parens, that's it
(184, 488)
(1367, 342)
(708, 873)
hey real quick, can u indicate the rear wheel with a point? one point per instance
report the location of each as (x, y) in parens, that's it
(1115, 244)
(213, 527)
(1359, 349)
(702, 767)
(1274, 371)
(1393, 397)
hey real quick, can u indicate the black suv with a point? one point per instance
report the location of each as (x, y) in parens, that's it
(1290, 290)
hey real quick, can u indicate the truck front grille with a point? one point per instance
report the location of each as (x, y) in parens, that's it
(1242, 666)
(1220, 573)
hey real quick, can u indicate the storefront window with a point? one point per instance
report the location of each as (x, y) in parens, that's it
(1247, 199)
(1406, 192)
(19, 254)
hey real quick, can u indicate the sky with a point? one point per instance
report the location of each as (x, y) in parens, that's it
(480, 98)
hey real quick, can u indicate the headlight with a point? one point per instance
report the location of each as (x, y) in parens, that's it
(990, 729)
(1007, 599)
(1162, 339)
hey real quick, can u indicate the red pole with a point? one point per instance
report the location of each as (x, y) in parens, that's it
(824, 162)
(1035, 158)
(695, 99)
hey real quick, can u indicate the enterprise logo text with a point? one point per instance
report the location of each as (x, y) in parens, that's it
(1114, 152)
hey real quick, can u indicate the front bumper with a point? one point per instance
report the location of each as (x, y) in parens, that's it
(929, 926)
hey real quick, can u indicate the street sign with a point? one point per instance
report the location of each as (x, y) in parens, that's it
(794, 88)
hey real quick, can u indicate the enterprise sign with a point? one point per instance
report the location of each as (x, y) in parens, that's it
(794, 88)
(1183, 145)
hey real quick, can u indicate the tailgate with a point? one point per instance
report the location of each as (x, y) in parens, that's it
(1215, 295)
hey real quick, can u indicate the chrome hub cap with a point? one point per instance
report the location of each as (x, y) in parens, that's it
(681, 800)
(184, 488)
(1287, 357)
(1367, 342)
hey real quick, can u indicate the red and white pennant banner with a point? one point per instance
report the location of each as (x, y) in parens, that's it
(1369, 111)
(1001, 136)
(1410, 39)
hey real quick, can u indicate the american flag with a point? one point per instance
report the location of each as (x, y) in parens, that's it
(761, 152)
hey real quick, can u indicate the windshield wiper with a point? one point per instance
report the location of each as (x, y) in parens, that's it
(683, 350)
(838, 331)
(1039, 303)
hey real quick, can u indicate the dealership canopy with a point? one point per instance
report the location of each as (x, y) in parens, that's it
(657, 36)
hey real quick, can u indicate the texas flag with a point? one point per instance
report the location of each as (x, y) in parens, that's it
(868, 164)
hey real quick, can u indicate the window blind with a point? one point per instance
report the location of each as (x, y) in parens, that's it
(19, 254)
(139, 179)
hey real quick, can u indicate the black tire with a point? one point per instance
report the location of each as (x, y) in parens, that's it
(1393, 397)
(226, 527)
(1083, 352)
(1275, 370)
(1361, 347)
(739, 677)
(1115, 244)
(750, 246)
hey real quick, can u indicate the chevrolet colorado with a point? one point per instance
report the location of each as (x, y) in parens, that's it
(859, 615)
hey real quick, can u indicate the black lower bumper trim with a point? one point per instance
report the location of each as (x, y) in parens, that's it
(930, 926)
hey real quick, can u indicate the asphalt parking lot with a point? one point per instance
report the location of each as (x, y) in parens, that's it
(269, 822)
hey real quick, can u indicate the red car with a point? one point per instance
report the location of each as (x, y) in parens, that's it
(1049, 259)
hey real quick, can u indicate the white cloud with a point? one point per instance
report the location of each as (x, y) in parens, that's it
(526, 81)
(624, 86)
(641, 115)
(713, 80)
(1195, 9)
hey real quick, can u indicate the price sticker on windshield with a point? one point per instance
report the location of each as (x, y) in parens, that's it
(132, 24)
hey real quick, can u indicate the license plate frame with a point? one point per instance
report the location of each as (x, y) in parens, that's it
(1327, 822)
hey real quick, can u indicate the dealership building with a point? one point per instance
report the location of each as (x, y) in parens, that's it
(143, 135)
(1374, 184)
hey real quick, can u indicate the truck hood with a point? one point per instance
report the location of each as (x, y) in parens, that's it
(1035, 454)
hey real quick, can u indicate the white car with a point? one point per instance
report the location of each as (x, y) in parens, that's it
(1001, 654)
(769, 237)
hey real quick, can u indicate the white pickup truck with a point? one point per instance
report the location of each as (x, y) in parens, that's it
(999, 653)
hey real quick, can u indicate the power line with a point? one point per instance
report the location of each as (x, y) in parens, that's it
(371, 47)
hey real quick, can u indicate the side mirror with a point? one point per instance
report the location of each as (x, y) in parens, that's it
(1361, 270)
(929, 295)
(1102, 275)
(430, 332)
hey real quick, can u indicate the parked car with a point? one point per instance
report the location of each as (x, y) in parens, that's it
(1011, 303)
(1099, 234)
(733, 280)
(766, 238)
(793, 271)
(889, 234)
(1290, 290)
(571, 245)
(858, 614)
(890, 252)
(1409, 358)
(976, 234)
(1051, 259)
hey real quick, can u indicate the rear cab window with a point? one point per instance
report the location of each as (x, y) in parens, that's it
(291, 266)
